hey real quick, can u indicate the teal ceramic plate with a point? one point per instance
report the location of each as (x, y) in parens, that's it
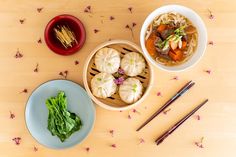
(36, 112)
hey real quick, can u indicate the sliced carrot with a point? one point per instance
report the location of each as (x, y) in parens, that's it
(150, 44)
(184, 45)
(173, 45)
(176, 55)
(161, 28)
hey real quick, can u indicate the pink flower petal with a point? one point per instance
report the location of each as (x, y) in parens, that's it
(159, 94)
(64, 74)
(113, 145)
(22, 21)
(39, 9)
(130, 10)
(166, 111)
(87, 149)
(211, 16)
(210, 43)
(208, 71)
(36, 68)
(88, 9)
(129, 117)
(96, 30)
(127, 26)
(112, 18)
(197, 117)
(40, 41)
(17, 140)
(141, 140)
(24, 91)
(76, 62)
(135, 111)
(111, 132)
(18, 54)
(199, 143)
(12, 115)
(175, 78)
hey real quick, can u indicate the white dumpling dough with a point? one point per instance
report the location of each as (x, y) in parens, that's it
(103, 85)
(133, 64)
(107, 60)
(131, 90)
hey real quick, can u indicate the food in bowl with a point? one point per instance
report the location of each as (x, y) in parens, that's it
(115, 102)
(74, 25)
(61, 122)
(116, 74)
(65, 36)
(133, 64)
(171, 39)
(103, 85)
(107, 60)
(131, 90)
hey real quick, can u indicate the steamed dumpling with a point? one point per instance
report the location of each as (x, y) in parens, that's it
(131, 90)
(103, 85)
(133, 64)
(107, 60)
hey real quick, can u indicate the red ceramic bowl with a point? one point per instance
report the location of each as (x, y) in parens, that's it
(74, 24)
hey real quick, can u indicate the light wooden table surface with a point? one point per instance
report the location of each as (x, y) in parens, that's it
(217, 124)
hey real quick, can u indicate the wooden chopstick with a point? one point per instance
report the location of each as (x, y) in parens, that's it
(174, 127)
(184, 89)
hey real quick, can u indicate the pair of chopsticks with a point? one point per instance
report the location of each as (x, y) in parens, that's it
(168, 103)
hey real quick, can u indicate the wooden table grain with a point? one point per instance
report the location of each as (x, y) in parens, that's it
(217, 122)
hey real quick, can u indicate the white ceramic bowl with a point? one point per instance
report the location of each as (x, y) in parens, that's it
(111, 104)
(197, 22)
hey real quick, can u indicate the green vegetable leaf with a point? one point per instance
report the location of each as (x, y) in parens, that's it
(61, 122)
(135, 88)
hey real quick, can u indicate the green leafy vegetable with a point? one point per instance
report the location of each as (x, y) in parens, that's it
(176, 37)
(135, 86)
(61, 122)
(180, 31)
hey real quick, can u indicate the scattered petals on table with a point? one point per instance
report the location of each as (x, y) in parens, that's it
(22, 21)
(175, 78)
(96, 31)
(197, 117)
(18, 54)
(17, 140)
(130, 9)
(39, 41)
(129, 116)
(12, 115)
(210, 42)
(130, 27)
(208, 71)
(199, 143)
(159, 94)
(87, 149)
(24, 91)
(88, 9)
(64, 74)
(113, 145)
(35, 149)
(76, 62)
(210, 16)
(166, 111)
(141, 141)
(112, 18)
(112, 132)
(40, 9)
(36, 69)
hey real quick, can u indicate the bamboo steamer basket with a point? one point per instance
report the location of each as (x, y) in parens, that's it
(114, 102)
